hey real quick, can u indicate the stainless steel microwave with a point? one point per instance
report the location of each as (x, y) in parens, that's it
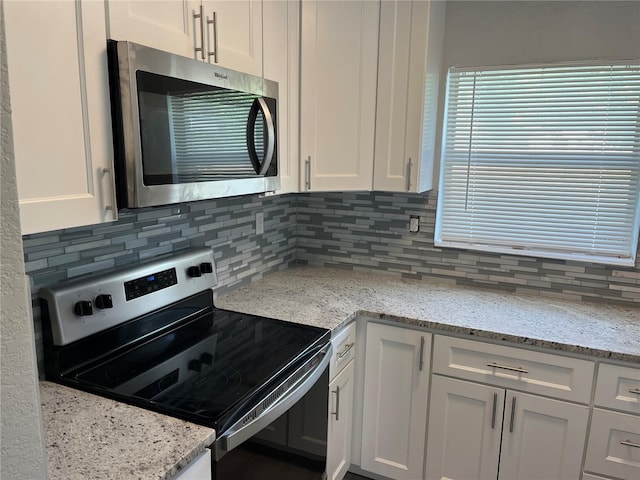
(186, 130)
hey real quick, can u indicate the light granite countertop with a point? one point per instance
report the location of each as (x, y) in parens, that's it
(91, 437)
(329, 297)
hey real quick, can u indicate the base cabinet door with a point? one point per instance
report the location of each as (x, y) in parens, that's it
(484, 432)
(465, 427)
(542, 438)
(340, 423)
(395, 408)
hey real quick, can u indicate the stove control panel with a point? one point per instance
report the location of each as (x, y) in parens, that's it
(150, 283)
(86, 305)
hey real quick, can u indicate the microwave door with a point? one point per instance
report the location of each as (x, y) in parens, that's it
(260, 107)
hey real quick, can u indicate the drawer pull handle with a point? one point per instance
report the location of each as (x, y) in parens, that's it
(507, 367)
(346, 350)
(635, 390)
(513, 414)
(629, 443)
(337, 412)
(421, 366)
(493, 414)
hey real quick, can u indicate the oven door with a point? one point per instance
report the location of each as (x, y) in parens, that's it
(287, 440)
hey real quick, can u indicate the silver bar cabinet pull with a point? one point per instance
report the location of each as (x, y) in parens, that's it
(214, 22)
(307, 173)
(635, 391)
(507, 367)
(346, 349)
(201, 17)
(337, 412)
(629, 443)
(513, 414)
(409, 167)
(421, 353)
(493, 414)
(111, 208)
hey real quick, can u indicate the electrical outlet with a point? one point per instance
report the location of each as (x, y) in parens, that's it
(259, 223)
(414, 224)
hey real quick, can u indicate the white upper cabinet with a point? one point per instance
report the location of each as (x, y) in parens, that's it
(281, 44)
(234, 34)
(338, 94)
(410, 58)
(163, 24)
(60, 112)
(228, 33)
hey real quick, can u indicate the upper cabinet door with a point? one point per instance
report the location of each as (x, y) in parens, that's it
(338, 94)
(167, 25)
(281, 45)
(59, 88)
(410, 58)
(234, 34)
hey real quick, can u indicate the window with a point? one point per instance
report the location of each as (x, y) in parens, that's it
(542, 161)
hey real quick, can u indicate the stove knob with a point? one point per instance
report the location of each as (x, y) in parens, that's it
(83, 308)
(206, 358)
(195, 365)
(206, 267)
(194, 272)
(104, 301)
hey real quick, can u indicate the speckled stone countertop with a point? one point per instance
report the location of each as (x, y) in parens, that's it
(331, 297)
(91, 437)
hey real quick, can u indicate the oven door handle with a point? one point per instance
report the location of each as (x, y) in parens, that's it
(244, 429)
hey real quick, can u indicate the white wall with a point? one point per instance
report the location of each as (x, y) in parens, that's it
(22, 440)
(521, 32)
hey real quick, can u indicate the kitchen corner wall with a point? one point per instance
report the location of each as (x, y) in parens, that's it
(363, 231)
(227, 225)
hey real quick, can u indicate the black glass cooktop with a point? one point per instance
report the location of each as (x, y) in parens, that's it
(204, 367)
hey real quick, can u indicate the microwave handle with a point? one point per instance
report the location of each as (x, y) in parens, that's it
(259, 104)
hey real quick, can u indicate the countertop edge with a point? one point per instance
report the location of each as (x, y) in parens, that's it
(493, 335)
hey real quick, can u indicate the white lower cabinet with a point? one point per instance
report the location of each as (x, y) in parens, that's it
(198, 469)
(484, 432)
(340, 423)
(396, 382)
(614, 444)
(465, 427)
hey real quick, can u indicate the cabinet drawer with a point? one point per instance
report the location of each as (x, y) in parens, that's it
(344, 348)
(510, 367)
(614, 444)
(618, 387)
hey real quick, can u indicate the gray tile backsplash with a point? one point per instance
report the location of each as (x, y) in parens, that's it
(360, 231)
(366, 230)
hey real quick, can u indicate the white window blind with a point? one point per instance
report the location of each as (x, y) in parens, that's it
(542, 161)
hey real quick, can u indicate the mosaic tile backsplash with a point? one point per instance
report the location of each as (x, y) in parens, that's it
(371, 231)
(360, 231)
